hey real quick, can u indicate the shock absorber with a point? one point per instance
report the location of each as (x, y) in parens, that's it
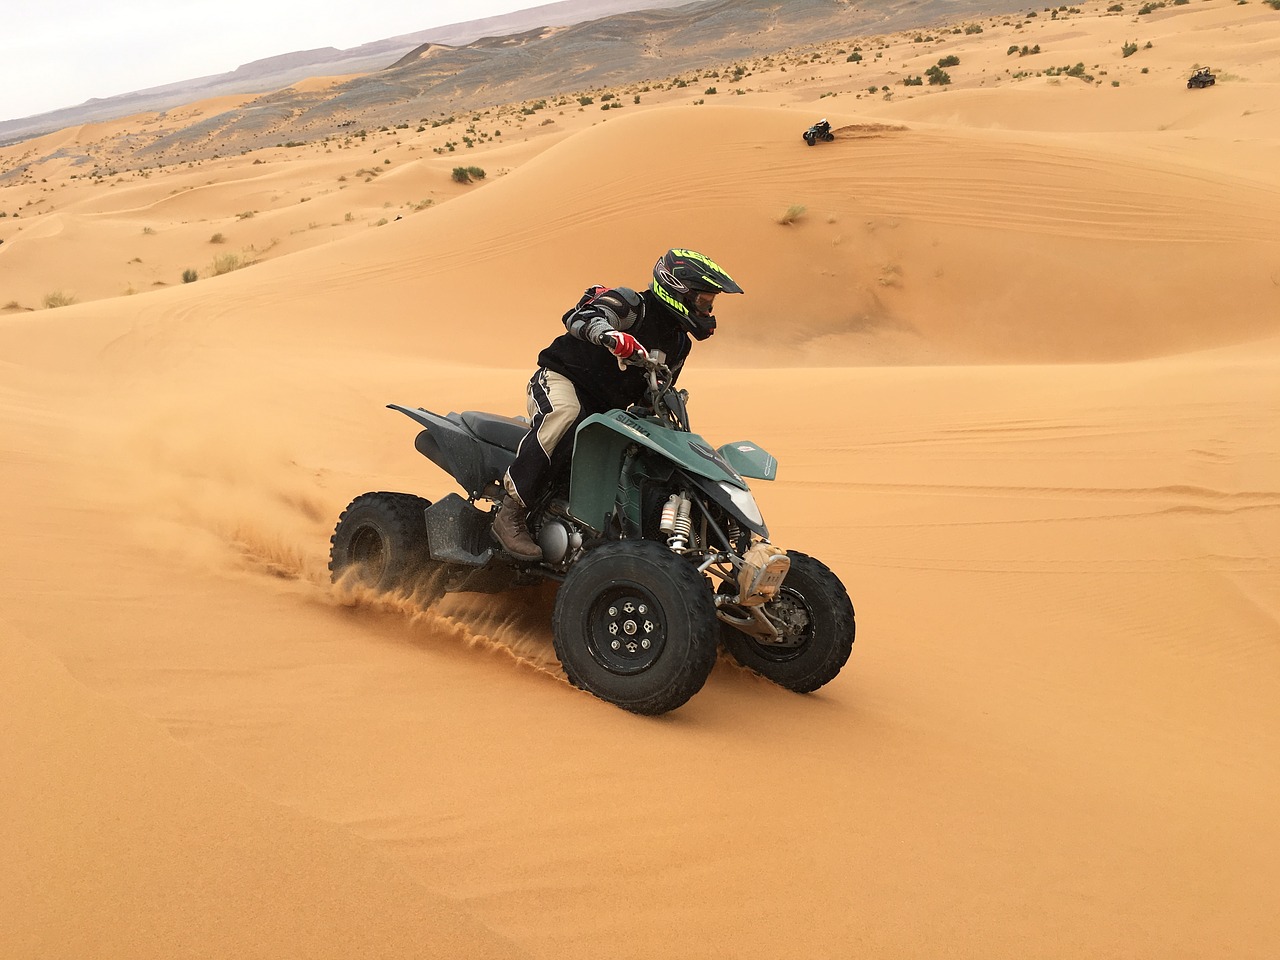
(676, 522)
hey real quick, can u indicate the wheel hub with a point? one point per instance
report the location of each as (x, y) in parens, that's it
(627, 632)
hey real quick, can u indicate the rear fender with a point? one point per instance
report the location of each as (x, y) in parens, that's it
(449, 444)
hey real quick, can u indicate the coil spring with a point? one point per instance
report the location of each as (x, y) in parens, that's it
(677, 522)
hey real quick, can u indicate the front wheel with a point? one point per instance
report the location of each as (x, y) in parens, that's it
(634, 624)
(815, 616)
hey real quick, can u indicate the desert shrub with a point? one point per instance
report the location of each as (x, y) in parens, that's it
(913, 81)
(190, 276)
(1116, 8)
(937, 76)
(792, 214)
(225, 263)
(710, 90)
(586, 101)
(1128, 50)
(217, 238)
(951, 61)
(855, 57)
(973, 28)
(58, 299)
(246, 215)
(467, 174)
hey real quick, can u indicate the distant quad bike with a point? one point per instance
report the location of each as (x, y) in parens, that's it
(1201, 78)
(659, 549)
(819, 131)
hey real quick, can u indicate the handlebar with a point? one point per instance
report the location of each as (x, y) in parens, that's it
(649, 365)
(660, 398)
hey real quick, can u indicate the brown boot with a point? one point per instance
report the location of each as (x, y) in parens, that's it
(511, 530)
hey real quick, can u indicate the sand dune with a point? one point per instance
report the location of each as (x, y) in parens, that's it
(1019, 360)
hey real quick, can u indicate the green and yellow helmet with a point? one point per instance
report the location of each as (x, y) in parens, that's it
(679, 277)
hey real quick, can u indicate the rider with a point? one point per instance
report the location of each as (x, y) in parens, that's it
(582, 372)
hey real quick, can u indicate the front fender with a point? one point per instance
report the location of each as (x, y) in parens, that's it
(749, 460)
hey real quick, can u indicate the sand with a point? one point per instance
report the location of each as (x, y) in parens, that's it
(1018, 357)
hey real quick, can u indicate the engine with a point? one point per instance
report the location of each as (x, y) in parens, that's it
(560, 541)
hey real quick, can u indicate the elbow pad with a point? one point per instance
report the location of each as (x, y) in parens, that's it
(618, 309)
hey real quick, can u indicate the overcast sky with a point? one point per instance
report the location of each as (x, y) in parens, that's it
(60, 53)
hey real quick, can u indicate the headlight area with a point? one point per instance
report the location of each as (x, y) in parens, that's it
(744, 504)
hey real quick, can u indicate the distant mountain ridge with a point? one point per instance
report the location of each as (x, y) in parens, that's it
(490, 62)
(273, 73)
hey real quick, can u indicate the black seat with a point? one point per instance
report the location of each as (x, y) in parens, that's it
(505, 432)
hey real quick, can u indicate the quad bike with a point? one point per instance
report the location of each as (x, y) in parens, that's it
(659, 549)
(1201, 78)
(819, 131)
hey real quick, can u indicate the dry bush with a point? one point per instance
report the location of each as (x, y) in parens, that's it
(227, 262)
(792, 214)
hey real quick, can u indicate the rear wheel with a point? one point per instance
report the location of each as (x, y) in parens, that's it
(381, 540)
(635, 624)
(816, 620)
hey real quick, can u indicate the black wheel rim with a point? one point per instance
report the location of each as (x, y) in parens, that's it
(793, 610)
(368, 554)
(626, 630)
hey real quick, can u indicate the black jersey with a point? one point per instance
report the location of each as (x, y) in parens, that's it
(578, 355)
